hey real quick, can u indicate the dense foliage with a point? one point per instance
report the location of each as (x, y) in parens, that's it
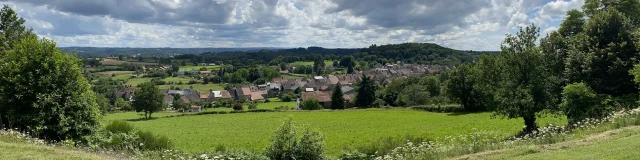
(285, 144)
(337, 99)
(43, 91)
(366, 92)
(148, 99)
(580, 102)
(310, 104)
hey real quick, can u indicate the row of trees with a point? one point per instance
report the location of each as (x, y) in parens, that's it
(574, 70)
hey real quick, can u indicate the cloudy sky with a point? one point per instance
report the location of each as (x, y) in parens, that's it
(458, 24)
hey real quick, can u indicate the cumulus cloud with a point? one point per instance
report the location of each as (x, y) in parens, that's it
(460, 24)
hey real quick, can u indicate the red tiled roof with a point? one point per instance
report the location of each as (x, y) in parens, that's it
(256, 96)
(246, 91)
(225, 94)
(320, 96)
(204, 95)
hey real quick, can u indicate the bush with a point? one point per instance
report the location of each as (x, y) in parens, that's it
(286, 146)
(119, 127)
(580, 102)
(193, 82)
(310, 104)
(286, 97)
(442, 108)
(253, 105)
(267, 100)
(148, 141)
(238, 107)
(284, 108)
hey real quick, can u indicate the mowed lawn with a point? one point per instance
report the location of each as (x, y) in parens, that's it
(343, 129)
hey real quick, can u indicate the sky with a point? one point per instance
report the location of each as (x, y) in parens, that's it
(459, 24)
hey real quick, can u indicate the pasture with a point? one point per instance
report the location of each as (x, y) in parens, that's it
(310, 63)
(117, 73)
(136, 81)
(342, 129)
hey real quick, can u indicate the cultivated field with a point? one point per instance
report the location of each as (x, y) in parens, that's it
(343, 129)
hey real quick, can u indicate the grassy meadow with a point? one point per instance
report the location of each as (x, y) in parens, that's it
(343, 129)
(310, 63)
(114, 62)
(14, 148)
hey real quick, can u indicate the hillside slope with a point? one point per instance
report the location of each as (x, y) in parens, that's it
(614, 144)
(12, 148)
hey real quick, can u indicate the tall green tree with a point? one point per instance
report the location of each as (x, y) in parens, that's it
(604, 54)
(337, 99)
(432, 85)
(366, 92)
(43, 91)
(630, 8)
(461, 88)
(148, 99)
(526, 84)
(572, 24)
(11, 28)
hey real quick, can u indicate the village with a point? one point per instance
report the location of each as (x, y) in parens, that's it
(314, 87)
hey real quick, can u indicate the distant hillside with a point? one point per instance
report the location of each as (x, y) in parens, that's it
(106, 51)
(422, 53)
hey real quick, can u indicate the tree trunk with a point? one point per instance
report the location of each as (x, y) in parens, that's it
(530, 122)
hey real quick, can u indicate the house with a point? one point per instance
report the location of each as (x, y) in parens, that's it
(348, 98)
(167, 99)
(126, 93)
(323, 97)
(196, 108)
(255, 96)
(241, 93)
(204, 96)
(212, 64)
(203, 64)
(347, 90)
(205, 72)
(333, 80)
(284, 72)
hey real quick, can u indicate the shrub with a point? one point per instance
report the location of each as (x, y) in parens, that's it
(119, 127)
(286, 97)
(310, 104)
(286, 146)
(580, 102)
(149, 141)
(284, 108)
(193, 82)
(253, 105)
(238, 107)
(267, 100)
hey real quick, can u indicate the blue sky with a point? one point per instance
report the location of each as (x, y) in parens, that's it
(458, 24)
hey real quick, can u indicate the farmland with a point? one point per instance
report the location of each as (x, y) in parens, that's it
(343, 129)
(310, 63)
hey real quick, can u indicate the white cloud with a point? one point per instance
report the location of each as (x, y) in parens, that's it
(284, 23)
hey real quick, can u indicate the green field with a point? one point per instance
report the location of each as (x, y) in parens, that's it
(275, 102)
(310, 63)
(614, 144)
(110, 73)
(343, 129)
(122, 77)
(177, 79)
(200, 87)
(189, 67)
(134, 115)
(295, 75)
(136, 81)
